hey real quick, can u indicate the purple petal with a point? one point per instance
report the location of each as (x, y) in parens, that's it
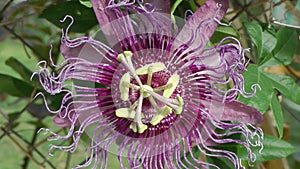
(202, 24)
(64, 118)
(61, 122)
(85, 50)
(68, 52)
(125, 33)
(240, 112)
(103, 18)
(98, 6)
(160, 5)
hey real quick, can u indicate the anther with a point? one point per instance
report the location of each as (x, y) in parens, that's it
(144, 90)
(130, 85)
(164, 87)
(155, 67)
(125, 79)
(137, 125)
(150, 73)
(174, 80)
(125, 58)
(159, 116)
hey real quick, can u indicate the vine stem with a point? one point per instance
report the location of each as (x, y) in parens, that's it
(25, 152)
(31, 146)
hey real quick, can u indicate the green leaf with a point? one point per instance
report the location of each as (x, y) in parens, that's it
(222, 32)
(38, 111)
(269, 42)
(219, 162)
(14, 86)
(277, 113)
(38, 124)
(13, 116)
(86, 3)
(274, 148)
(261, 100)
(291, 106)
(285, 85)
(287, 44)
(22, 70)
(268, 82)
(264, 41)
(255, 32)
(84, 17)
(196, 153)
(267, 95)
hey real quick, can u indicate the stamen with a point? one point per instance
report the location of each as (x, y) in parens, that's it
(159, 116)
(130, 85)
(125, 113)
(164, 87)
(123, 88)
(174, 80)
(137, 125)
(128, 55)
(156, 67)
(181, 103)
(133, 106)
(173, 103)
(125, 58)
(154, 104)
(150, 73)
(144, 90)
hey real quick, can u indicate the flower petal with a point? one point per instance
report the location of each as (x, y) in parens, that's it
(103, 18)
(85, 50)
(128, 24)
(70, 52)
(202, 24)
(160, 5)
(240, 112)
(61, 122)
(98, 6)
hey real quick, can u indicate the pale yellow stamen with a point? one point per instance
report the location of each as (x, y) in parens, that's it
(181, 103)
(133, 106)
(174, 80)
(130, 85)
(137, 125)
(125, 58)
(125, 113)
(124, 89)
(159, 116)
(173, 103)
(154, 104)
(144, 90)
(164, 87)
(150, 73)
(155, 67)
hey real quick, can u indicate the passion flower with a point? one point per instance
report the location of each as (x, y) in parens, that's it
(153, 92)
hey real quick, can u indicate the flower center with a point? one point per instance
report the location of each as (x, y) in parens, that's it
(147, 90)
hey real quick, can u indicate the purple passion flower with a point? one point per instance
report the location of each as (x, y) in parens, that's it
(154, 92)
